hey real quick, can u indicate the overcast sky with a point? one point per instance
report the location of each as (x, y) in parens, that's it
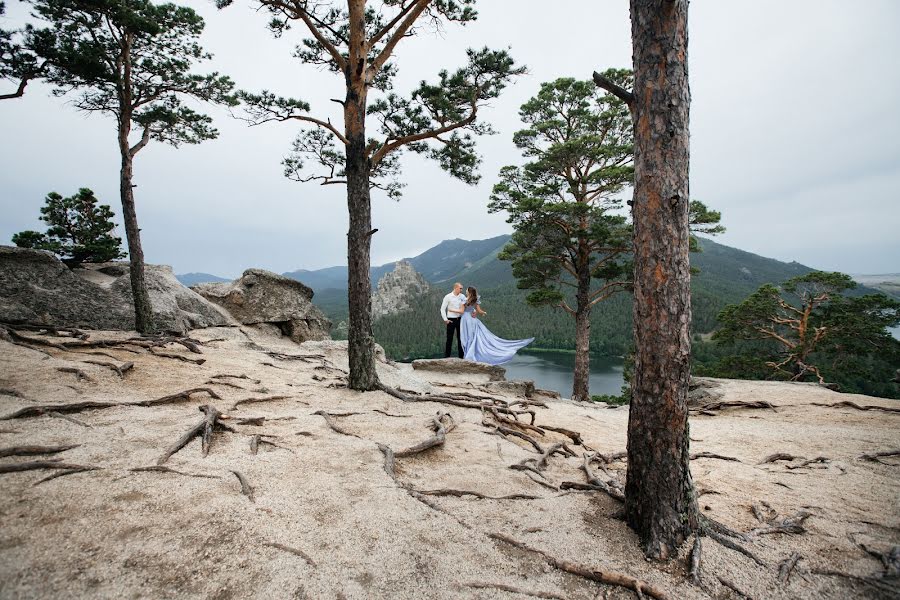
(795, 137)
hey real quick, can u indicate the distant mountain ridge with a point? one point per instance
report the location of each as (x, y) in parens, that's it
(189, 279)
(447, 260)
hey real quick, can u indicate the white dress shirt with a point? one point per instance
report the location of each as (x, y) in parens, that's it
(454, 302)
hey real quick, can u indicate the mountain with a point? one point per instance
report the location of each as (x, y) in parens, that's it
(449, 259)
(189, 279)
(888, 283)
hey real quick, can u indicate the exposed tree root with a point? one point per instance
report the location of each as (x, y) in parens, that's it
(513, 590)
(441, 424)
(164, 354)
(711, 455)
(329, 420)
(241, 376)
(888, 588)
(57, 415)
(76, 407)
(260, 399)
(307, 358)
(848, 404)
(593, 574)
(778, 456)
(120, 370)
(572, 435)
(734, 546)
(763, 512)
(611, 487)
(204, 429)
(389, 414)
(811, 461)
(293, 551)
(508, 431)
(11, 392)
(876, 456)
(79, 374)
(608, 458)
(34, 450)
(461, 399)
(461, 493)
(165, 469)
(63, 473)
(246, 488)
(259, 421)
(890, 560)
(537, 465)
(225, 383)
(694, 571)
(787, 566)
(257, 439)
(731, 586)
(710, 524)
(389, 468)
(711, 407)
(43, 464)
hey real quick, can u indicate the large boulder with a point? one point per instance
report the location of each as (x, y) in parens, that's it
(37, 288)
(459, 366)
(260, 296)
(175, 307)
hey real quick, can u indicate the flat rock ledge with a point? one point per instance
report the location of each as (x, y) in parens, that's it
(459, 366)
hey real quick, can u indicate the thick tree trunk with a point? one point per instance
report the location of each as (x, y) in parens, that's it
(581, 385)
(361, 342)
(660, 502)
(143, 313)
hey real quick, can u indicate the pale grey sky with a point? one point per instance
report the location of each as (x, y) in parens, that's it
(794, 122)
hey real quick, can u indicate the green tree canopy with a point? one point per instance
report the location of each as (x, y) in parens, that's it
(80, 230)
(810, 319)
(18, 63)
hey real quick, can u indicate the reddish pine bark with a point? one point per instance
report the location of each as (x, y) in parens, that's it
(660, 503)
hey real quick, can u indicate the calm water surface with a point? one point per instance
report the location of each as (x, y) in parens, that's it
(553, 371)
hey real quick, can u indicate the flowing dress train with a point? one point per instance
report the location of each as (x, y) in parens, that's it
(480, 345)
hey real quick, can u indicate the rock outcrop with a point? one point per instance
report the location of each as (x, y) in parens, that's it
(175, 307)
(260, 296)
(396, 289)
(458, 366)
(37, 288)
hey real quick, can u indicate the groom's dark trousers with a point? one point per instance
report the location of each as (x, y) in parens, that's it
(453, 328)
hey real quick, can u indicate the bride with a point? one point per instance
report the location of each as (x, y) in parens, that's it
(478, 342)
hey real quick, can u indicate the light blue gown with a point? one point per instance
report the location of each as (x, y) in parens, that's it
(480, 345)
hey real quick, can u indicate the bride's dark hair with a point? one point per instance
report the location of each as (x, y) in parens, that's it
(471, 297)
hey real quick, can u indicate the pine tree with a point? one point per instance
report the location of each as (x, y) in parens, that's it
(79, 230)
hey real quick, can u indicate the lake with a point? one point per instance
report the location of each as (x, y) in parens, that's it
(553, 371)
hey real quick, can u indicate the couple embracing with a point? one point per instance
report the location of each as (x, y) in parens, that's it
(475, 342)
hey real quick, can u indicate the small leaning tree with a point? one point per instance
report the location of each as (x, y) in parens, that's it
(356, 40)
(808, 318)
(80, 230)
(572, 245)
(132, 59)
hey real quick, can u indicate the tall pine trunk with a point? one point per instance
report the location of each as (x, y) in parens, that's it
(143, 312)
(660, 502)
(581, 384)
(361, 342)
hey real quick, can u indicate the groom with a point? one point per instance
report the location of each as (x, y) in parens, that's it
(454, 301)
